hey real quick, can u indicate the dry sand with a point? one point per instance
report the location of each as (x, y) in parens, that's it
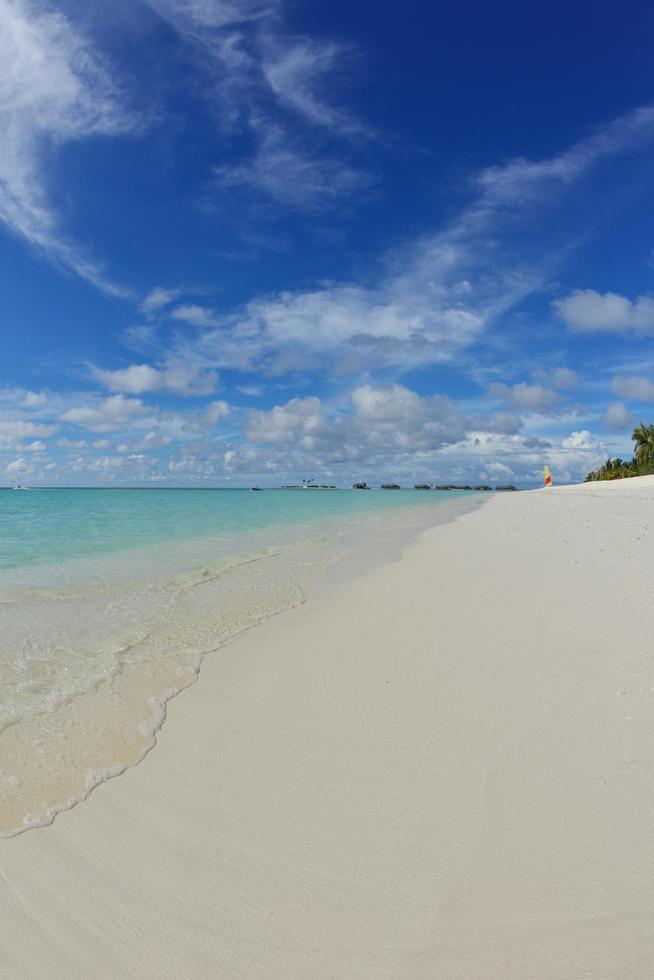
(442, 769)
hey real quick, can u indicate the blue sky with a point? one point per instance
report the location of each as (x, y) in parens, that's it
(254, 241)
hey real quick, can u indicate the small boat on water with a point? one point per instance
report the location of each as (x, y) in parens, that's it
(255, 488)
(360, 486)
(20, 488)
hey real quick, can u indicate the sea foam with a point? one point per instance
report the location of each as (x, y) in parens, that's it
(94, 646)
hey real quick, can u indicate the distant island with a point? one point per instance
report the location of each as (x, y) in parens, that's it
(641, 464)
(435, 486)
(308, 486)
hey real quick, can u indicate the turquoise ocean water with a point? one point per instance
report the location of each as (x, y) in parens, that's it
(49, 526)
(109, 600)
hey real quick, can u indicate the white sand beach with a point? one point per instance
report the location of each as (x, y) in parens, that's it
(442, 768)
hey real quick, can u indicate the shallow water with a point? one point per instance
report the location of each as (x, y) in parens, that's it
(109, 599)
(46, 526)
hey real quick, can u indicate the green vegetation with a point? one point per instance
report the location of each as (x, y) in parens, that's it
(642, 463)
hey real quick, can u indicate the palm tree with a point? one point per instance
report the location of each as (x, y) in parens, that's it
(641, 465)
(643, 437)
(614, 469)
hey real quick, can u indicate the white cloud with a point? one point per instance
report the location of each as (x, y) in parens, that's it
(250, 391)
(19, 466)
(533, 398)
(107, 466)
(385, 421)
(500, 471)
(54, 89)
(176, 378)
(13, 431)
(617, 418)
(286, 423)
(501, 423)
(393, 433)
(397, 405)
(197, 316)
(587, 311)
(33, 399)
(637, 389)
(132, 380)
(216, 411)
(193, 468)
(580, 440)
(112, 413)
(158, 298)
(376, 432)
(72, 443)
(153, 440)
(410, 319)
(433, 297)
(561, 377)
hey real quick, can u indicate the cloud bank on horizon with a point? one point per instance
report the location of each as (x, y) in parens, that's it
(248, 242)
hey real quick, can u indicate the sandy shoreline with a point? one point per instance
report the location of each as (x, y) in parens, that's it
(443, 769)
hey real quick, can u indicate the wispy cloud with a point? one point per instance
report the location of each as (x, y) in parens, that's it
(439, 293)
(290, 176)
(521, 180)
(301, 72)
(258, 74)
(197, 316)
(192, 16)
(54, 88)
(429, 301)
(435, 296)
(158, 298)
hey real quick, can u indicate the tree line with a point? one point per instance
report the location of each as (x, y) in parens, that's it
(641, 464)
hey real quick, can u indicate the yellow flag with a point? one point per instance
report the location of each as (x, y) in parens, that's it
(548, 476)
